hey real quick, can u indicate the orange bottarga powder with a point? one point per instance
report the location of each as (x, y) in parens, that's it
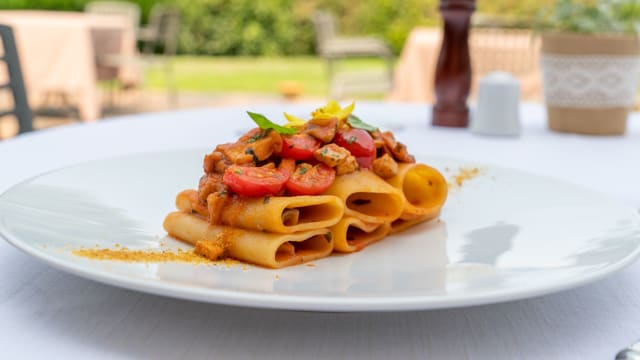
(150, 256)
(124, 254)
(463, 175)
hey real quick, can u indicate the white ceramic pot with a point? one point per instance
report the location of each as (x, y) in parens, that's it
(589, 81)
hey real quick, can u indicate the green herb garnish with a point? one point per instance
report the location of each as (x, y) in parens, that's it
(351, 140)
(355, 122)
(303, 170)
(265, 124)
(255, 137)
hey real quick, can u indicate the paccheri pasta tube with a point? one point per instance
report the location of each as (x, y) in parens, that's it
(352, 234)
(424, 190)
(367, 197)
(262, 248)
(283, 195)
(400, 225)
(280, 214)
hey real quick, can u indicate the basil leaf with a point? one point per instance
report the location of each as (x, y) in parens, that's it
(265, 124)
(355, 122)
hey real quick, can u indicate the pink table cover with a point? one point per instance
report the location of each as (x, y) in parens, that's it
(515, 51)
(58, 52)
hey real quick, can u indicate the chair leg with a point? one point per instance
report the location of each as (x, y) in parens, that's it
(170, 79)
(24, 115)
(21, 104)
(112, 93)
(330, 76)
(390, 70)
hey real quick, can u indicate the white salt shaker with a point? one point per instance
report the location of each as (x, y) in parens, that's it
(497, 110)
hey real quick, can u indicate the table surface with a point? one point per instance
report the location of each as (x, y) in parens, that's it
(45, 311)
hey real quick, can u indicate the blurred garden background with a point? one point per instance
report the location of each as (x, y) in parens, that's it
(252, 46)
(239, 51)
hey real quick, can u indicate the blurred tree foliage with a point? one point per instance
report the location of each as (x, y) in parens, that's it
(283, 27)
(244, 27)
(595, 16)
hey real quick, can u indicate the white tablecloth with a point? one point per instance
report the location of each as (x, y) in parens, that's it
(46, 312)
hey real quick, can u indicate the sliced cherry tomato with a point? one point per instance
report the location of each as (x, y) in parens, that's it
(310, 179)
(365, 161)
(299, 146)
(253, 181)
(357, 141)
(360, 144)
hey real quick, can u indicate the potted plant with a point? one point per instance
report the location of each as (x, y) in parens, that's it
(590, 62)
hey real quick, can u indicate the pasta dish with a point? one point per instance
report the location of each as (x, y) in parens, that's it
(287, 194)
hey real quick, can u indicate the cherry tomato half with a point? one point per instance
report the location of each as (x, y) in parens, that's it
(360, 144)
(365, 162)
(299, 146)
(253, 181)
(357, 141)
(310, 179)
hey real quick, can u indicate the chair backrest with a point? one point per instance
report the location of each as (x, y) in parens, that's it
(512, 50)
(131, 10)
(164, 23)
(325, 27)
(16, 84)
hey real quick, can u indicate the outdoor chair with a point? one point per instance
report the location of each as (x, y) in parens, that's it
(109, 72)
(129, 9)
(159, 43)
(15, 84)
(331, 46)
(512, 50)
(162, 33)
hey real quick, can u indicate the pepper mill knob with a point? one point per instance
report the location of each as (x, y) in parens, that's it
(453, 70)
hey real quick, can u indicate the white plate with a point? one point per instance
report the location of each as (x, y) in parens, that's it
(504, 235)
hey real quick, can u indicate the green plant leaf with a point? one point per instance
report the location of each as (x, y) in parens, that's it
(266, 124)
(591, 17)
(355, 122)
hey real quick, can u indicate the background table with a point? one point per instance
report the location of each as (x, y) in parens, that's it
(58, 53)
(513, 50)
(46, 312)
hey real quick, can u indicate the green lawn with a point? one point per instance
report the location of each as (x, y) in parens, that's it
(252, 75)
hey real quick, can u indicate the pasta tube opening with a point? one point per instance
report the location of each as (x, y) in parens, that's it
(283, 214)
(424, 190)
(424, 187)
(358, 238)
(352, 234)
(307, 214)
(368, 197)
(288, 251)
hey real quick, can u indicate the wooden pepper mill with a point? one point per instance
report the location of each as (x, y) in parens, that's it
(453, 71)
